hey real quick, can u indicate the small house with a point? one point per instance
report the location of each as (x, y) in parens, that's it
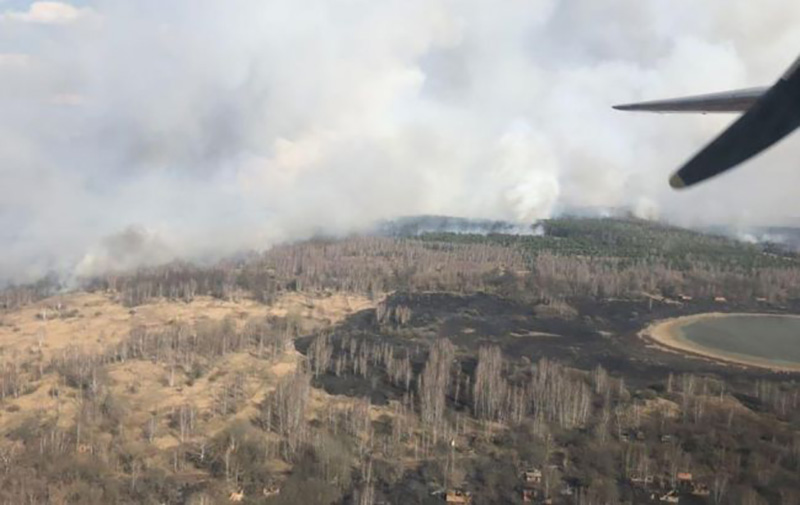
(532, 477)
(531, 496)
(671, 497)
(458, 496)
(270, 491)
(535, 495)
(685, 481)
(643, 480)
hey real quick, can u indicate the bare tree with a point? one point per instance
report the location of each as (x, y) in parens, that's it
(434, 384)
(320, 354)
(489, 389)
(719, 487)
(284, 410)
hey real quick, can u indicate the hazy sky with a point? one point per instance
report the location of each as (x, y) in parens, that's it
(137, 130)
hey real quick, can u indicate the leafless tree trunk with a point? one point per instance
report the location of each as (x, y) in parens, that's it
(719, 487)
(489, 387)
(434, 384)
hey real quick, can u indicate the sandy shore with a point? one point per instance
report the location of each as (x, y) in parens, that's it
(667, 333)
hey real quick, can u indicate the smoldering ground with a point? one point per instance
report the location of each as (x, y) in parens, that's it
(212, 127)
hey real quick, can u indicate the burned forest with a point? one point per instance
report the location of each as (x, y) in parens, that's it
(406, 366)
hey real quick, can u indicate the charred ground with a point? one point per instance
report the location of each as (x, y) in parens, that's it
(590, 334)
(400, 367)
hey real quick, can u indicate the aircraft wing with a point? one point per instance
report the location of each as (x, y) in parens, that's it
(772, 117)
(770, 114)
(728, 101)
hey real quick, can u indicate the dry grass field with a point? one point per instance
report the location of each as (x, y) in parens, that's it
(145, 394)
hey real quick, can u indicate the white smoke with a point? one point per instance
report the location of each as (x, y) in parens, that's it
(216, 125)
(128, 249)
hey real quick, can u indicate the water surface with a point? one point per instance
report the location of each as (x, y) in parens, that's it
(758, 337)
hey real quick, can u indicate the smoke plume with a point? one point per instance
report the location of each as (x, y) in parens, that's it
(135, 132)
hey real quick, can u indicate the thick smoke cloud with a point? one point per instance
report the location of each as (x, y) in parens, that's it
(139, 131)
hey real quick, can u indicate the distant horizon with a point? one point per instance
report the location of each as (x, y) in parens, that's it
(405, 227)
